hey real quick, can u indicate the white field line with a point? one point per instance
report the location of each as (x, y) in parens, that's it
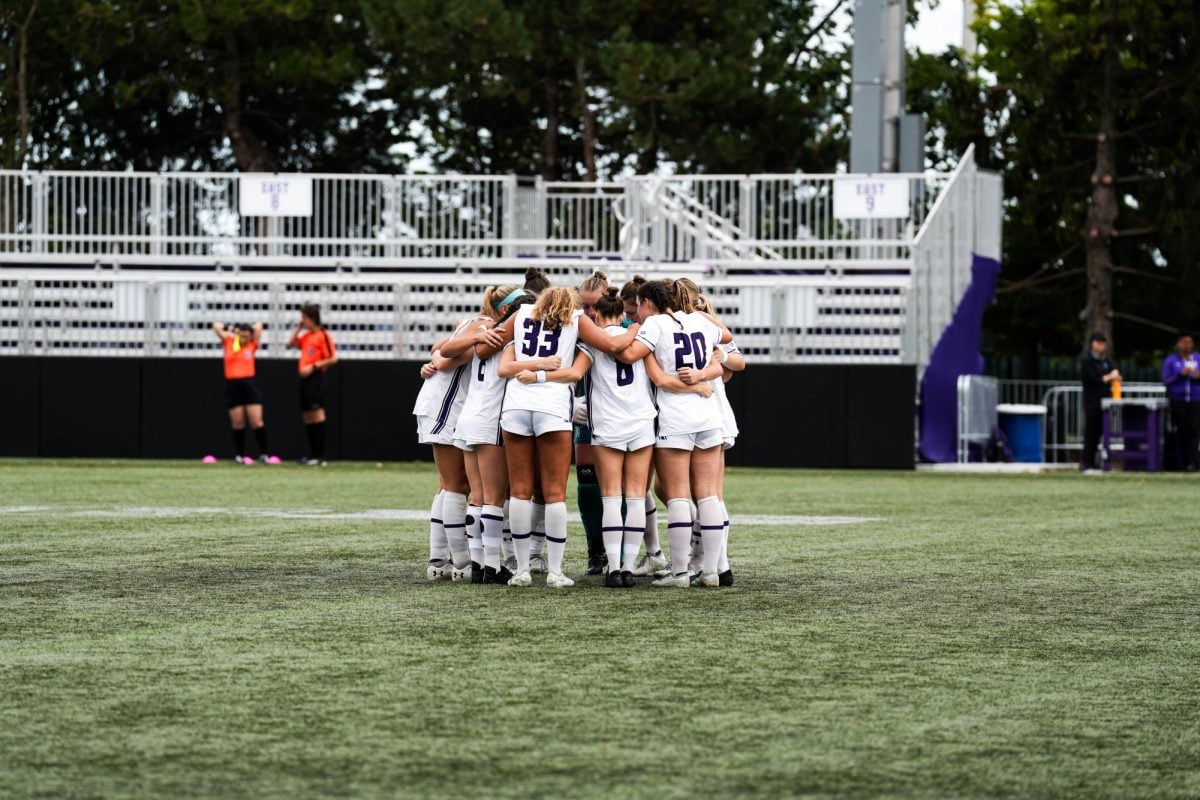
(375, 514)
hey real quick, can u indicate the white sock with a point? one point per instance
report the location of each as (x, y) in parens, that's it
(493, 534)
(712, 531)
(475, 533)
(612, 531)
(556, 536)
(537, 534)
(697, 543)
(438, 549)
(635, 528)
(679, 533)
(454, 520)
(506, 543)
(520, 515)
(723, 565)
(653, 545)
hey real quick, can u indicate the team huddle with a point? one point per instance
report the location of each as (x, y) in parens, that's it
(499, 404)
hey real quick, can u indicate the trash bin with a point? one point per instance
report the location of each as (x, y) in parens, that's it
(1022, 424)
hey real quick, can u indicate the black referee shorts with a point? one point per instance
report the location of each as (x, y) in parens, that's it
(242, 392)
(312, 391)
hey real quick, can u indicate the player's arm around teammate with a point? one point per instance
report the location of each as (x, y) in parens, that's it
(536, 420)
(688, 446)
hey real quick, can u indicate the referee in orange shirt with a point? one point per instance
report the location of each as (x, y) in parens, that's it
(242, 397)
(317, 355)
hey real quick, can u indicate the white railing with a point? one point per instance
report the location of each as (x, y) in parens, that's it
(787, 319)
(406, 254)
(965, 220)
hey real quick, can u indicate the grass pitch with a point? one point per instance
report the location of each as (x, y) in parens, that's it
(174, 630)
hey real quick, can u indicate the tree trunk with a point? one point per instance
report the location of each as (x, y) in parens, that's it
(23, 126)
(648, 158)
(250, 153)
(589, 121)
(1102, 217)
(550, 140)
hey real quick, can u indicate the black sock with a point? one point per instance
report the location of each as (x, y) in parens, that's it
(239, 441)
(310, 430)
(320, 439)
(260, 435)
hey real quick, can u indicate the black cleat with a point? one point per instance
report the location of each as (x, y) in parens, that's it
(612, 580)
(596, 563)
(476, 572)
(627, 579)
(726, 578)
(493, 575)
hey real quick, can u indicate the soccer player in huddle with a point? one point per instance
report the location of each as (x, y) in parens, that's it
(518, 363)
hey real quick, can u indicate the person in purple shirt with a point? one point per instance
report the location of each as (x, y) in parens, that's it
(1181, 375)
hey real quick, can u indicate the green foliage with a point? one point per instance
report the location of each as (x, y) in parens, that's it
(1034, 114)
(167, 630)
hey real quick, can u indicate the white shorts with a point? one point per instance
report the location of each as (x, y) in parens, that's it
(426, 435)
(472, 441)
(523, 422)
(691, 441)
(729, 441)
(629, 442)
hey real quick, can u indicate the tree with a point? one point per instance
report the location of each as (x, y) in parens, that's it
(1099, 168)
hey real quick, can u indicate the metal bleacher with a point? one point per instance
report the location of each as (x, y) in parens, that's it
(141, 264)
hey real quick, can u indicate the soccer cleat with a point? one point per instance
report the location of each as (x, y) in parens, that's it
(679, 581)
(500, 576)
(537, 564)
(510, 563)
(627, 579)
(521, 579)
(596, 563)
(476, 572)
(650, 564)
(726, 577)
(708, 580)
(467, 574)
(438, 570)
(612, 580)
(556, 580)
(239, 460)
(266, 459)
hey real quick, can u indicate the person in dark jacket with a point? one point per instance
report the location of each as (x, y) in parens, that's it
(1097, 372)
(1181, 376)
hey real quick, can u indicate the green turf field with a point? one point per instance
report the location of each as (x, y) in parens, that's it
(174, 630)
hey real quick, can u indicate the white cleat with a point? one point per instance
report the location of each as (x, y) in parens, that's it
(521, 579)
(673, 581)
(537, 564)
(437, 571)
(650, 565)
(556, 580)
(708, 579)
(463, 574)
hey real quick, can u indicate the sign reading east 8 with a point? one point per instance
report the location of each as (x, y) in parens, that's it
(274, 196)
(870, 198)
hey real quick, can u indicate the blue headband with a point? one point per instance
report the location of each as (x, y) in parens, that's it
(513, 295)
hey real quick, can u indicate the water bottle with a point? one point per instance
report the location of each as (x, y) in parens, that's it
(1116, 389)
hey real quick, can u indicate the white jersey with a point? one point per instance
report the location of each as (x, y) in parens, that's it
(479, 422)
(729, 425)
(532, 340)
(682, 340)
(619, 396)
(443, 395)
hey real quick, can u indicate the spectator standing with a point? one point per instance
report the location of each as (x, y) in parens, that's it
(1097, 372)
(1181, 376)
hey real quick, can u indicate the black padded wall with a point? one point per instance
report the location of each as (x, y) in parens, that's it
(790, 416)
